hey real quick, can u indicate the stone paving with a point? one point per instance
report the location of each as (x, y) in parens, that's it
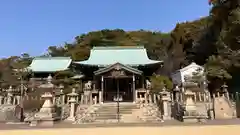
(12, 126)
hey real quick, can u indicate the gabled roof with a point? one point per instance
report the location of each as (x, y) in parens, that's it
(127, 55)
(192, 65)
(50, 64)
(118, 66)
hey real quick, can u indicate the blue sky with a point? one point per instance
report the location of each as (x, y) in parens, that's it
(33, 25)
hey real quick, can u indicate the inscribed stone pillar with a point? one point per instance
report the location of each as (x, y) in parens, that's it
(227, 95)
(18, 98)
(204, 97)
(5, 100)
(195, 97)
(14, 100)
(181, 96)
(200, 96)
(62, 97)
(82, 99)
(154, 98)
(54, 99)
(90, 98)
(209, 97)
(150, 98)
(136, 95)
(146, 98)
(95, 100)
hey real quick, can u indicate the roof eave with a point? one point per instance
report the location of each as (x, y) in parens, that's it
(48, 71)
(104, 65)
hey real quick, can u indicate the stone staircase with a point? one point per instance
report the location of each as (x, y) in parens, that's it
(107, 113)
(202, 108)
(223, 108)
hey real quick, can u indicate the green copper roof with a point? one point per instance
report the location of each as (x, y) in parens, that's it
(127, 55)
(50, 64)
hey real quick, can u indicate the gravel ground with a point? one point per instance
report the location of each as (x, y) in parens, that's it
(4, 126)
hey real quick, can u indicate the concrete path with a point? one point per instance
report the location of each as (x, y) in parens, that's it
(174, 123)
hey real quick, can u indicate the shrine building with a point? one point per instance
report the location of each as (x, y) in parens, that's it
(111, 70)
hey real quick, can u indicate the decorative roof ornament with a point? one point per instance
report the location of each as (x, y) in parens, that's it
(117, 67)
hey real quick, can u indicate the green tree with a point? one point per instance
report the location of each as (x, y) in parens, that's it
(158, 82)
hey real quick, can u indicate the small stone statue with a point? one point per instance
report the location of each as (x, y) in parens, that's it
(148, 84)
(88, 85)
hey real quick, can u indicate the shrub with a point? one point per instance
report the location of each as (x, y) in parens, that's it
(158, 82)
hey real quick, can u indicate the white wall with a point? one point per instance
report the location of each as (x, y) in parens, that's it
(189, 72)
(179, 76)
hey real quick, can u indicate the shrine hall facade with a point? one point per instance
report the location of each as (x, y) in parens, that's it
(113, 71)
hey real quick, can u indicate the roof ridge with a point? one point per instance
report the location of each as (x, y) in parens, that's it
(116, 47)
(45, 58)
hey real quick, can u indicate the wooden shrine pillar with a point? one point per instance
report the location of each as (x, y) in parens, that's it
(133, 88)
(102, 89)
(142, 78)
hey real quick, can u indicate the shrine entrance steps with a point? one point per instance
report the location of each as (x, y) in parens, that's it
(109, 113)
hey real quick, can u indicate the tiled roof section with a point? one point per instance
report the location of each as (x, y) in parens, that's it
(127, 55)
(50, 64)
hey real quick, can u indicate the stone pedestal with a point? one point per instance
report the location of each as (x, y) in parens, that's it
(166, 98)
(73, 95)
(47, 114)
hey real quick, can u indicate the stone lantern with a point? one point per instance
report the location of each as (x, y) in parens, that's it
(225, 91)
(166, 98)
(47, 114)
(9, 95)
(73, 95)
